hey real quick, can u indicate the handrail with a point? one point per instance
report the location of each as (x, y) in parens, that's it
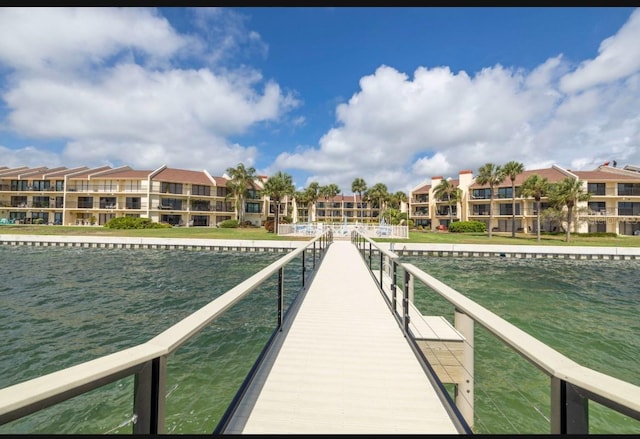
(572, 385)
(146, 361)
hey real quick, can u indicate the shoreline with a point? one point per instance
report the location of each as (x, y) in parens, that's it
(401, 249)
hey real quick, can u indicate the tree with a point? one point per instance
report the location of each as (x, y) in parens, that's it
(568, 193)
(313, 193)
(277, 187)
(328, 192)
(397, 199)
(302, 199)
(241, 179)
(512, 169)
(492, 175)
(447, 191)
(359, 186)
(537, 187)
(379, 193)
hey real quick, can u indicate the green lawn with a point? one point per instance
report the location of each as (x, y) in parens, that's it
(262, 234)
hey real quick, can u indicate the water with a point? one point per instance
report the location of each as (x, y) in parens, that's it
(585, 309)
(62, 306)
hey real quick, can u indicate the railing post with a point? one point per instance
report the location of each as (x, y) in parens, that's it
(370, 255)
(393, 285)
(405, 301)
(314, 255)
(465, 395)
(569, 410)
(304, 268)
(150, 397)
(381, 266)
(280, 297)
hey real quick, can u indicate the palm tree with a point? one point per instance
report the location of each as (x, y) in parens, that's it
(569, 192)
(512, 169)
(241, 179)
(302, 199)
(277, 187)
(328, 192)
(313, 193)
(447, 190)
(492, 175)
(397, 199)
(380, 193)
(359, 186)
(537, 187)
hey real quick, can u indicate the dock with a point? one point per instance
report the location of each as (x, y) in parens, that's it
(344, 365)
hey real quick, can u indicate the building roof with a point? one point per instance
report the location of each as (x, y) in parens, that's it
(173, 175)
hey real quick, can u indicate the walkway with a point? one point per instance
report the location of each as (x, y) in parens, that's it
(344, 365)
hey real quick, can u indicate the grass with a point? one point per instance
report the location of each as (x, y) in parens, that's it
(256, 233)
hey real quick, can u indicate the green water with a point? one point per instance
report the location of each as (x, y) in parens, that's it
(63, 306)
(585, 309)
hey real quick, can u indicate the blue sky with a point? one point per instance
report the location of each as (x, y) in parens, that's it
(391, 95)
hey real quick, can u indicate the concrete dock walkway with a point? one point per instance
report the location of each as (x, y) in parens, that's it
(344, 366)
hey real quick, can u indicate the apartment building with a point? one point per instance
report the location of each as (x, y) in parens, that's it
(86, 196)
(93, 196)
(614, 205)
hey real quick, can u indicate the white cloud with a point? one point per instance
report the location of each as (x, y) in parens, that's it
(618, 57)
(440, 122)
(104, 80)
(34, 40)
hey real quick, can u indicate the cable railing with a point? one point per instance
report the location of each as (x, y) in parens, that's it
(572, 386)
(147, 362)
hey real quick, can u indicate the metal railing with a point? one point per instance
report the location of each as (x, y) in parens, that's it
(572, 386)
(147, 362)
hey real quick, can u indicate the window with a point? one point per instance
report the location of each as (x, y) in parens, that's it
(19, 201)
(41, 185)
(504, 192)
(19, 185)
(628, 208)
(253, 207)
(40, 202)
(224, 206)
(253, 194)
(507, 209)
(85, 202)
(170, 188)
(198, 189)
(481, 194)
(422, 198)
(133, 186)
(628, 188)
(221, 191)
(481, 209)
(174, 220)
(596, 188)
(132, 203)
(199, 220)
(107, 203)
(170, 203)
(597, 207)
(200, 205)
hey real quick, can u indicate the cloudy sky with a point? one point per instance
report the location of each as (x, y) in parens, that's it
(391, 95)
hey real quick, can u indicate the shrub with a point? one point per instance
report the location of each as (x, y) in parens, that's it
(229, 224)
(130, 222)
(467, 226)
(268, 225)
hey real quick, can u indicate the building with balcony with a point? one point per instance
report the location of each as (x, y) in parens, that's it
(614, 205)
